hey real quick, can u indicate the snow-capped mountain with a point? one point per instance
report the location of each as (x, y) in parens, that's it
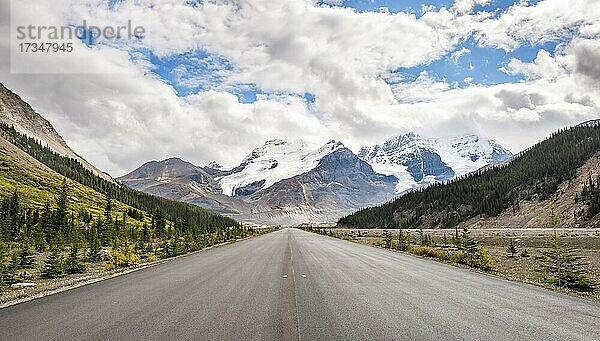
(274, 161)
(293, 181)
(419, 161)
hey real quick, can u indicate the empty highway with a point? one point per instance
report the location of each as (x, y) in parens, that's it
(295, 285)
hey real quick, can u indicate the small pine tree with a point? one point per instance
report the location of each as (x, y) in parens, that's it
(422, 237)
(456, 238)
(53, 267)
(387, 239)
(74, 265)
(95, 247)
(61, 213)
(563, 267)
(7, 271)
(511, 248)
(403, 241)
(468, 243)
(38, 238)
(26, 258)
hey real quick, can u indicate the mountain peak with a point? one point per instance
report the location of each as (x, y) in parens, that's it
(173, 160)
(419, 161)
(214, 165)
(276, 160)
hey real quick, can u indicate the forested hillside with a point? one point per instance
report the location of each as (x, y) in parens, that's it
(73, 170)
(57, 217)
(534, 175)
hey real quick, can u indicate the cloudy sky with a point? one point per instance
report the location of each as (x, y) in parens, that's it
(213, 79)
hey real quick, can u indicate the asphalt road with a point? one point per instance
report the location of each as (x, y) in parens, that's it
(293, 285)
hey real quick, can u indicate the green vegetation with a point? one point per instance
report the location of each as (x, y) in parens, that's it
(563, 267)
(535, 174)
(123, 257)
(466, 252)
(72, 169)
(511, 248)
(53, 225)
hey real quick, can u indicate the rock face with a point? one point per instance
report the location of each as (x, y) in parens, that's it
(17, 113)
(417, 161)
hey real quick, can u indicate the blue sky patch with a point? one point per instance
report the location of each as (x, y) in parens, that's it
(189, 72)
(394, 6)
(477, 65)
(416, 6)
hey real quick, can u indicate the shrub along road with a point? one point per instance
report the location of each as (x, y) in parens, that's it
(291, 285)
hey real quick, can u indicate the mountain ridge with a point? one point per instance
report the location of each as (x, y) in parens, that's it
(15, 112)
(295, 181)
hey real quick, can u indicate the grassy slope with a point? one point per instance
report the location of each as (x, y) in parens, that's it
(38, 185)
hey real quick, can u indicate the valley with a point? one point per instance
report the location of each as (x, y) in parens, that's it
(300, 170)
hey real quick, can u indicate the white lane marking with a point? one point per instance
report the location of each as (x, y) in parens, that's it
(303, 275)
(284, 276)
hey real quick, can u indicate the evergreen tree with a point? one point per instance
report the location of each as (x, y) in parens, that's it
(387, 239)
(73, 264)
(39, 239)
(13, 215)
(108, 208)
(61, 213)
(53, 266)
(563, 267)
(46, 224)
(511, 248)
(95, 247)
(468, 243)
(26, 258)
(403, 241)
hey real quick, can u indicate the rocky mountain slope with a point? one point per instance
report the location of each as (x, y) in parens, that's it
(180, 180)
(340, 183)
(566, 205)
(276, 160)
(19, 114)
(419, 161)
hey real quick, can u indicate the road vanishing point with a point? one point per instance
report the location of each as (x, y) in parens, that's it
(296, 285)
